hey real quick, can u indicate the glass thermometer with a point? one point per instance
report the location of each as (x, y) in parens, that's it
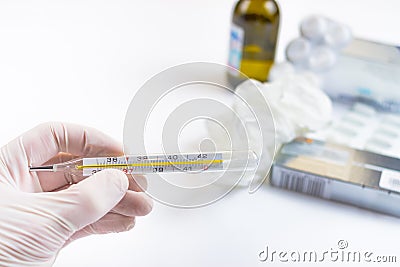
(158, 163)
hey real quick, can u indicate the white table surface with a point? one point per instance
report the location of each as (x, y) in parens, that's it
(81, 62)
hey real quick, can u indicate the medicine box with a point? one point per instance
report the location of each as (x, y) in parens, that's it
(339, 173)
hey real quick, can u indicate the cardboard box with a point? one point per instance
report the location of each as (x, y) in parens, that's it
(339, 173)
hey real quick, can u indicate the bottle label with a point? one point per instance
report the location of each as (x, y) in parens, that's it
(236, 46)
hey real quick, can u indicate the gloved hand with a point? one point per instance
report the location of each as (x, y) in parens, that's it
(40, 212)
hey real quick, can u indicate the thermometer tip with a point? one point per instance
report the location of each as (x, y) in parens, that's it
(41, 168)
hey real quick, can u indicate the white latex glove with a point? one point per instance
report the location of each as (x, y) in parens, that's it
(36, 223)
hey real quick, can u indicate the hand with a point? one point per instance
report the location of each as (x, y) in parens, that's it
(40, 212)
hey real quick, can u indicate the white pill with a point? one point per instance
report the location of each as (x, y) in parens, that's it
(321, 58)
(378, 142)
(385, 132)
(314, 28)
(298, 50)
(364, 109)
(338, 36)
(391, 120)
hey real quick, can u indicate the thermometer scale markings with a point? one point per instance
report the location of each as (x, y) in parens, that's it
(169, 163)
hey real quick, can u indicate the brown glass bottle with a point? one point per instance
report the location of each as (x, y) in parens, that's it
(254, 35)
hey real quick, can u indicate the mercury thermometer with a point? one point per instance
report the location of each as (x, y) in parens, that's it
(158, 163)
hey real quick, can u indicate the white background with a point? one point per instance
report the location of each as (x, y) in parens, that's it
(82, 61)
